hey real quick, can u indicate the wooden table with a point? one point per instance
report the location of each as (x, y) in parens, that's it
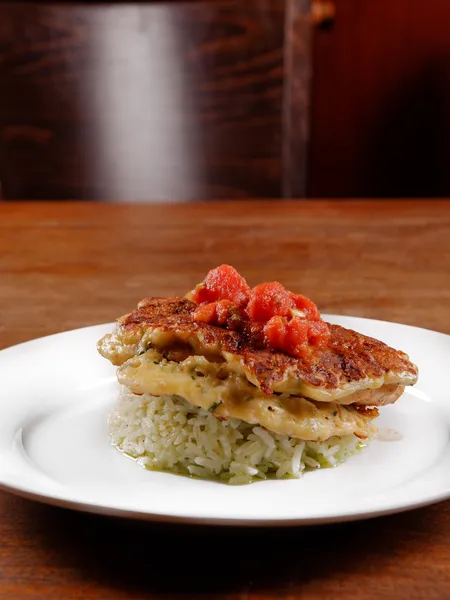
(69, 265)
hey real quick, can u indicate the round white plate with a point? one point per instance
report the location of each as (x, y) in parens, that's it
(56, 393)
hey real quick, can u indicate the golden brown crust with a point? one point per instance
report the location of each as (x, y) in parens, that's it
(350, 357)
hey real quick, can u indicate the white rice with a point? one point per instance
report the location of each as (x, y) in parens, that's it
(167, 433)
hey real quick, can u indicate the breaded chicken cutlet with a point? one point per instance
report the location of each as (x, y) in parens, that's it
(309, 380)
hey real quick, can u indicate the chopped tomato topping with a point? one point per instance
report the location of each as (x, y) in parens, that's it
(318, 333)
(290, 336)
(268, 300)
(296, 335)
(275, 331)
(206, 313)
(222, 283)
(222, 312)
(223, 308)
(213, 312)
(307, 306)
(291, 322)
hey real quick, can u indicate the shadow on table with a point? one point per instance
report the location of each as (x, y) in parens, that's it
(143, 558)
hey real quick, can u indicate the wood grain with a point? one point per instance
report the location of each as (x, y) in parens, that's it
(168, 100)
(296, 106)
(68, 265)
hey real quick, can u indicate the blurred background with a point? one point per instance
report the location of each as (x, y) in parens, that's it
(212, 99)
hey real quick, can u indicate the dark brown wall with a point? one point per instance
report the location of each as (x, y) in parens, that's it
(210, 99)
(381, 100)
(140, 100)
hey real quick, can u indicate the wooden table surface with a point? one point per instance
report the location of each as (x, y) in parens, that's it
(64, 266)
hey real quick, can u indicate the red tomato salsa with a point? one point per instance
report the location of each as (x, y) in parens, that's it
(291, 322)
(222, 283)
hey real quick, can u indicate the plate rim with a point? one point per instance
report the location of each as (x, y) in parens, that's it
(136, 515)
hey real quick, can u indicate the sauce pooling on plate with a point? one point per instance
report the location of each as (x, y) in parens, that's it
(290, 322)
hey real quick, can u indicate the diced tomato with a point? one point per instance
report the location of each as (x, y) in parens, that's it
(290, 336)
(290, 322)
(275, 332)
(268, 300)
(296, 335)
(222, 312)
(318, 334)
(223, 308)
(222, 283)
(307, 306)
(205, 313)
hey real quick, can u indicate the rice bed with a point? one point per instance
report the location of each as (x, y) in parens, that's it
(167, 433)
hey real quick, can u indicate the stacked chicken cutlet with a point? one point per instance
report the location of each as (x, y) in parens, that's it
(259, 365)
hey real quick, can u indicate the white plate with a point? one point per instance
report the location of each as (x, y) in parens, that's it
(56, 393)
